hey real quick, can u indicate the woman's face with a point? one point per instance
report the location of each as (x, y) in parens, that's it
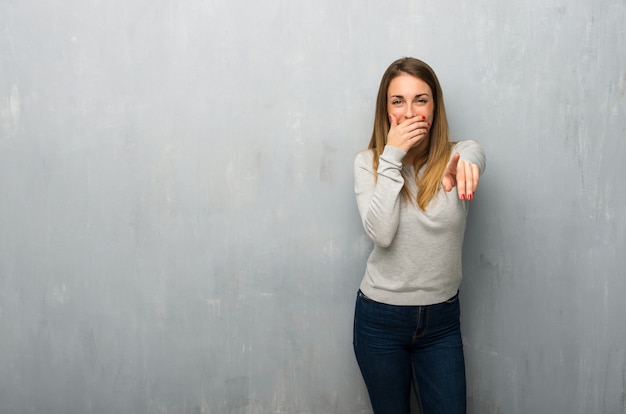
(408, 97)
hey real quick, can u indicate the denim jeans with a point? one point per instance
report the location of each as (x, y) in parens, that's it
(397, 346)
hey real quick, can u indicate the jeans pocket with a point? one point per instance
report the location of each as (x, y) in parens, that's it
(366, 298)
(362, 295)
(453, 298)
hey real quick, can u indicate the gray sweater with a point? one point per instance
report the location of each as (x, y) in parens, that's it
(416, 258)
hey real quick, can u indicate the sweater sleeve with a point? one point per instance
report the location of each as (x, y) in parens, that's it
(379, 201)
(472, 151)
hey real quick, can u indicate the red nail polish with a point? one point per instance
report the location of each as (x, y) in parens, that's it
(423, 117)
(462, 196)
(469, 196)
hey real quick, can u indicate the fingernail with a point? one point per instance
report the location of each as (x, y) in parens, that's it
(462, 196)
(423, 117)
(428, 123)
(469, 196)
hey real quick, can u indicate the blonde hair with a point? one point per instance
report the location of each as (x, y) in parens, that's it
(437, 153)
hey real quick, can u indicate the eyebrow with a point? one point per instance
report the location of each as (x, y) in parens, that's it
(417, 96)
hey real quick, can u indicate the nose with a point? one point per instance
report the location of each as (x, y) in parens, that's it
(410, 112)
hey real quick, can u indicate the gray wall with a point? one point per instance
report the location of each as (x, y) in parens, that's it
(178, 227)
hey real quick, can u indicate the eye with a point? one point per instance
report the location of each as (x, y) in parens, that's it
(396, 102)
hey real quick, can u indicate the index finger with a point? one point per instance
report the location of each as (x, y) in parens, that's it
(460, 179)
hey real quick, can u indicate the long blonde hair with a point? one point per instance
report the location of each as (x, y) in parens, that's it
(437, 153)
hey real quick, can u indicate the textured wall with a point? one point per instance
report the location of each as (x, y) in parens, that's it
(178, 227)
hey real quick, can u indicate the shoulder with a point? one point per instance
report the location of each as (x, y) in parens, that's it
(364, 158)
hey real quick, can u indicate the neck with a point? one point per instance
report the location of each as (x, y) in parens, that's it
(415, 152)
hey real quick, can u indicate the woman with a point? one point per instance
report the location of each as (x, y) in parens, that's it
(406, 324)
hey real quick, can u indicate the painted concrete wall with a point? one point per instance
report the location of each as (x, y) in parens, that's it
(178, 227)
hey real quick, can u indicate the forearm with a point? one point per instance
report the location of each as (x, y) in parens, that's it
(379, 200)
(472, 152)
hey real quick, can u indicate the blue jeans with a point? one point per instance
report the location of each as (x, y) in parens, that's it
(397, 346)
